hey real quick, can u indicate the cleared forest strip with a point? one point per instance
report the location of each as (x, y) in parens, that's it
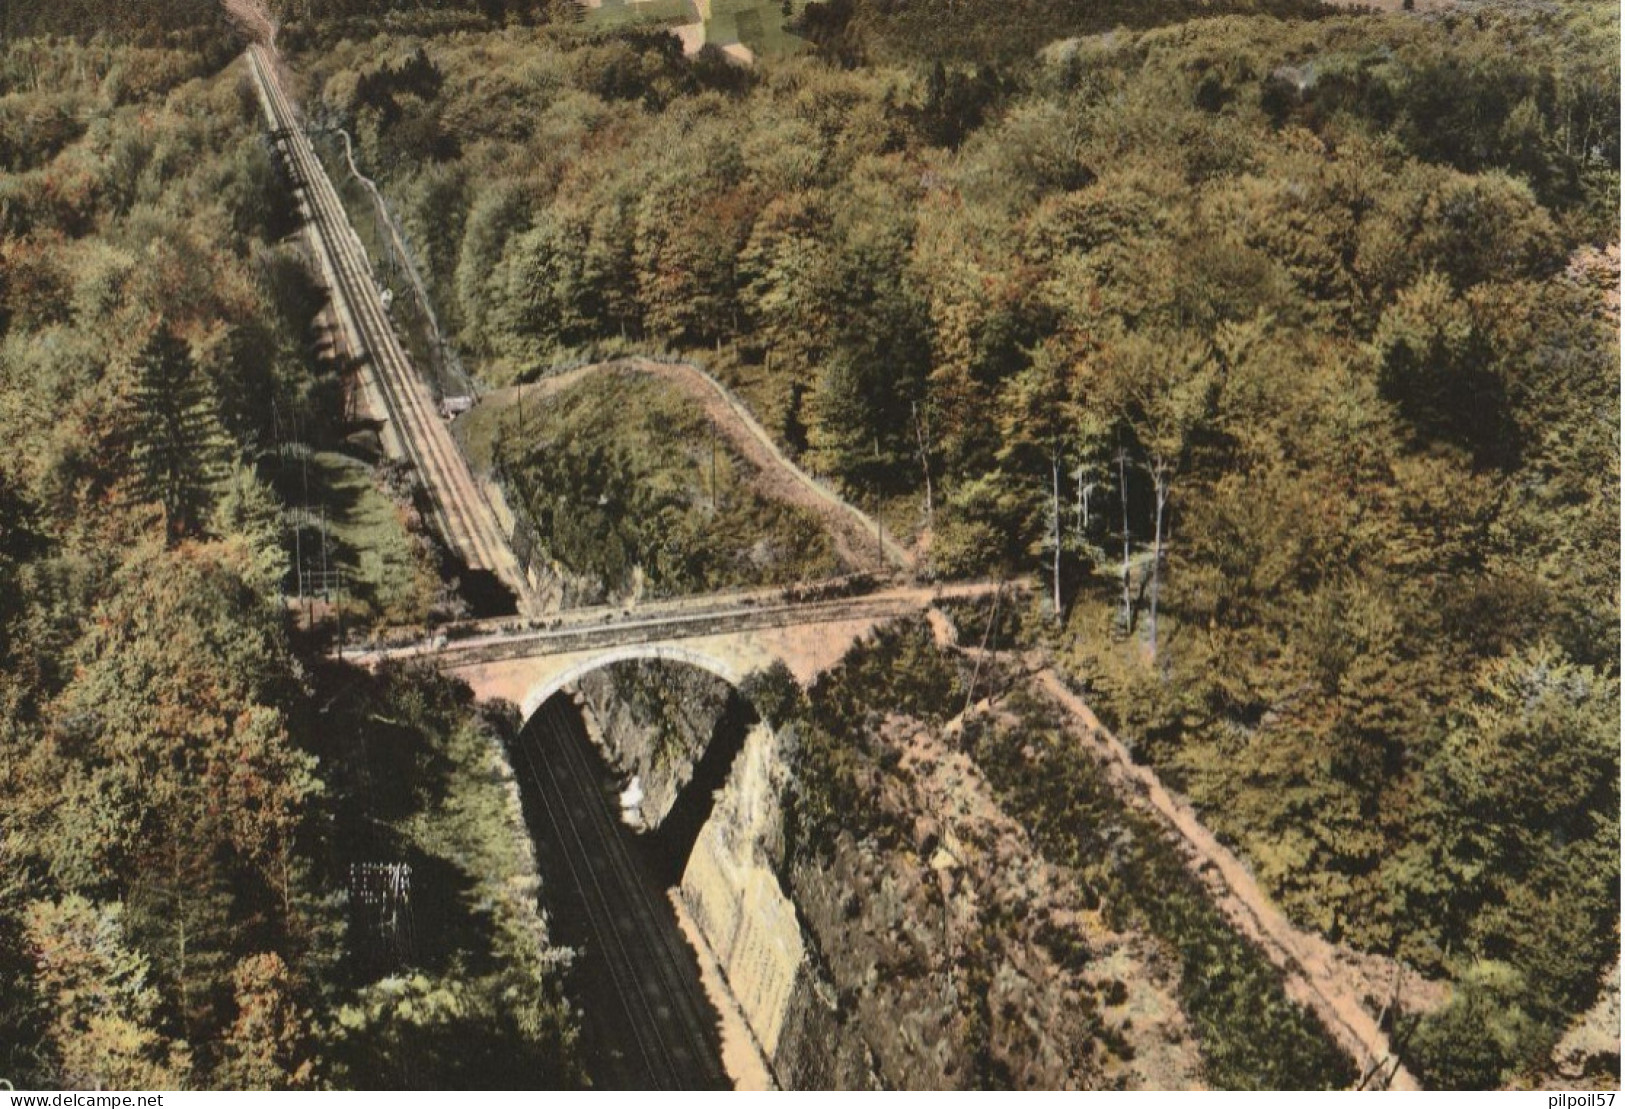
(1307, 961)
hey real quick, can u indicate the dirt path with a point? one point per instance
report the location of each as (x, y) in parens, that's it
(1315, 976)
(853, 531)
(1327, 979)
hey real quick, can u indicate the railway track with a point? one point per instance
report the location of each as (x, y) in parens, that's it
(649, 1026)
(458, 509)
(619, 630)
(607, 626)
(587, 628)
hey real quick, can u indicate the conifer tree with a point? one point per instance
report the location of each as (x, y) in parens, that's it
(267, 1047)
(181, 450)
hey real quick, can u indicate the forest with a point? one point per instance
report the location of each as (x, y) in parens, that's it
(191, 797)
(1279, 347)
(1282, 352)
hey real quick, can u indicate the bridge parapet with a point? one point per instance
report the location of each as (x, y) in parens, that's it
(610, 627)
(530, 665)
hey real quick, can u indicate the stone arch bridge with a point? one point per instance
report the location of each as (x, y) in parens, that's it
(738, 911)
(728, 635)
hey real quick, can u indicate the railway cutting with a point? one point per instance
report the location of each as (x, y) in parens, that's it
(665, 1034)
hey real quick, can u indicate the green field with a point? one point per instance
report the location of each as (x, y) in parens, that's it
(758, 24)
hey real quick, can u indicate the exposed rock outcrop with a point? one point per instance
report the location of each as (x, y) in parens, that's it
(965, 959)
(653, 721)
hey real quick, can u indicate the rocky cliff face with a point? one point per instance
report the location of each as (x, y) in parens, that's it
(962, 958)
(653, 721)
(927, 944)
(733, 893)
(662, 725)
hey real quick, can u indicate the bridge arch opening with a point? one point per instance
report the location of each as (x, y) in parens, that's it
(705, 864)
(648, 1021)
(670, 724)
(656, 652)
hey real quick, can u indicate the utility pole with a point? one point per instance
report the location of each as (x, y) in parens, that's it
(880, 530)
(299, 557)
(326, 593)
(987, 635)
(1085, 490)
(1160, 478)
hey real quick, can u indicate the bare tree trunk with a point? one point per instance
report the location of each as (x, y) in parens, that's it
(286, 881)
(1159, 478)
(1122, 488)
(925, 465)
(1055, 510)
(1085, 491)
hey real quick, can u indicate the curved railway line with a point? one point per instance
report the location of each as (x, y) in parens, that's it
(460, 513)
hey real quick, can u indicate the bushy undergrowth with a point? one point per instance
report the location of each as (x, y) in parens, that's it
(1250, 1034)
(631, 486)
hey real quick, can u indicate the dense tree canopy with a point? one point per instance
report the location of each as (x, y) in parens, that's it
(1287, 348)
(171, 901)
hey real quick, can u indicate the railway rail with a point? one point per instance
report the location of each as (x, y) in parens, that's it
(650, 1029)
(608, 626)
(459, 510)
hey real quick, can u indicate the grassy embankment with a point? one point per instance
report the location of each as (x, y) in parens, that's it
(632, 488)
